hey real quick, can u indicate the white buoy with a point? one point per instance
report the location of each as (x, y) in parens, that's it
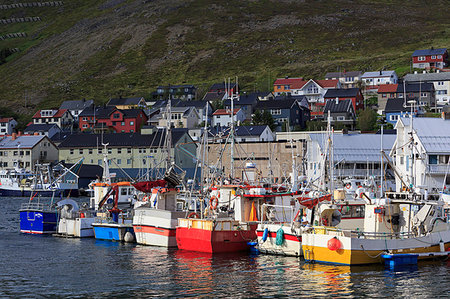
(129, 238)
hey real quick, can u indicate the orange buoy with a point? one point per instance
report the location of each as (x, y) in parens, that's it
(213, 202)
(334, 244)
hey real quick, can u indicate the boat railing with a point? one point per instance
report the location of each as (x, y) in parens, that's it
(278, 210)
(334, 231)
(35, 206)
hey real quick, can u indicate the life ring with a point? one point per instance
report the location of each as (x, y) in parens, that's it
(348, 186)
(213, 202)
(193, 215)
(145, 198)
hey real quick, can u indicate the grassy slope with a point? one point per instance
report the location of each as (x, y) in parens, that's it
(98, 49)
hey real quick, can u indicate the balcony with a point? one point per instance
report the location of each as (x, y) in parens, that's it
(438, 168)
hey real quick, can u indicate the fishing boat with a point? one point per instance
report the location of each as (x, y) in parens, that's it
(399, 223)
(46, 181)
(112, 223)
(75, 220)
(37, 218)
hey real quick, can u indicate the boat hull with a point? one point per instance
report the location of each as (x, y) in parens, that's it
(213, 237)
(155, 226)
(4, 192)
(291, 245)
(112, 231)
(77, 227)
(360, 251)
(37, 222)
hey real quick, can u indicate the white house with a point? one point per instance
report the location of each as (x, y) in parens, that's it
(222, 117)
(314, 90)
(25, 151)
(421, 152)
(182, 117)
(355, 155)
(62, 117)
(372, 80)
(7, 125)
(75, 107)
(440, 80)
(253, 133)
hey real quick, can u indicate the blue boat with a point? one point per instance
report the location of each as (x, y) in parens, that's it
(113, 224)
(37, 218)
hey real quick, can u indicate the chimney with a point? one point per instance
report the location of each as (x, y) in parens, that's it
(415, 72)
(381, 72)
(287, 77)
(337, 100)
(36, 134)
(424, 72)
(20, 133)
(13, 136)
(438, 71)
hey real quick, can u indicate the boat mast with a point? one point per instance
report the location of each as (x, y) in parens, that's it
(231, 132)
(168, 139)
(106, 174)
(382, 166)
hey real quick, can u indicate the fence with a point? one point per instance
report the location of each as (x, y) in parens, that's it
(31, 4)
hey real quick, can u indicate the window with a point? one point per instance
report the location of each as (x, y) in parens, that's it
(109, 150)
(119, 161)
(129, 161)
(440, 83)
(99, 162)
(72, 151)
(6, 154)
(116, 115)
(128, 150)
(432, 159)
(122, 123)
(275, 111)
(84, 118)
(21, 153)
(383, 95)
(142, 150)
(421, 58)
(5, 164)
(15, 153)
(439, 56)
(341, 118)
(402, 160)
(27, 164)
(350, 211)
(394, 117)
(433, 57)
(119, 150)
(90, 151)
(85, 126)
(99, 151)
(80, 151)
(287, 87)
(441, 91)
(131, 123)
(423, 94)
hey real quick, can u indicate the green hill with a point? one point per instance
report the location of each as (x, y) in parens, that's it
(101, 49)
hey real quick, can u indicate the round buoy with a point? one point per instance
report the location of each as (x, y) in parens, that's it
(334, 244)
(129, 238)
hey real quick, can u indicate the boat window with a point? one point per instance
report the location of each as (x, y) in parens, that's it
(123, 191)
(352, 211)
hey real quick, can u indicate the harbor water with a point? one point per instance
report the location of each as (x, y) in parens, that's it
(46, 266)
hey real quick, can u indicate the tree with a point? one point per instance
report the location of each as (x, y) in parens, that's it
(257, 118)
(367, 120)
(264, 118)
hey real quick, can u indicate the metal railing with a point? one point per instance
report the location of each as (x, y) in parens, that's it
(36, 206)
(323, 230)
(279, 210)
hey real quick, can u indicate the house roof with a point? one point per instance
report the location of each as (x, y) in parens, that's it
(124, 101)
(289, 81)
(387, 88)
(76, 104)
(362, 148)
(328, 83)
(396, 105)
(212, 96)
(341, 92)
(434, 133)
(378, 74)
(163, 103)
(176, 86)
(221, 86)
(415, 87)
(40, 127)
(226, 111)
(196, 104)
(155, 139)
(101, 112)
(249, 130)
(284, 103)
(441, 76)
(243, 99)
(343, 74)
(428, 52)
(20, 141)
(6, 119)
(59, 113)
(340, 106)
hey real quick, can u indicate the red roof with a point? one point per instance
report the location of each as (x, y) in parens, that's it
(225, 111)
(58, 113)
(6, 119)
(388, 88)
(287, 81)
(328, 83)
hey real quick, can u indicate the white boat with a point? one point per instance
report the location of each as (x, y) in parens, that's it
(75, 221)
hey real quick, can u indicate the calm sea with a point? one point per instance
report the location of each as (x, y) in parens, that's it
(36, 266)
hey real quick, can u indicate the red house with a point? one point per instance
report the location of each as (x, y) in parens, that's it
(112, 119)
(353, 94)
(430, 58)
(286, 85)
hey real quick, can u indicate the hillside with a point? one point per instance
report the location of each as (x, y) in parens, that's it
(100, 49)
